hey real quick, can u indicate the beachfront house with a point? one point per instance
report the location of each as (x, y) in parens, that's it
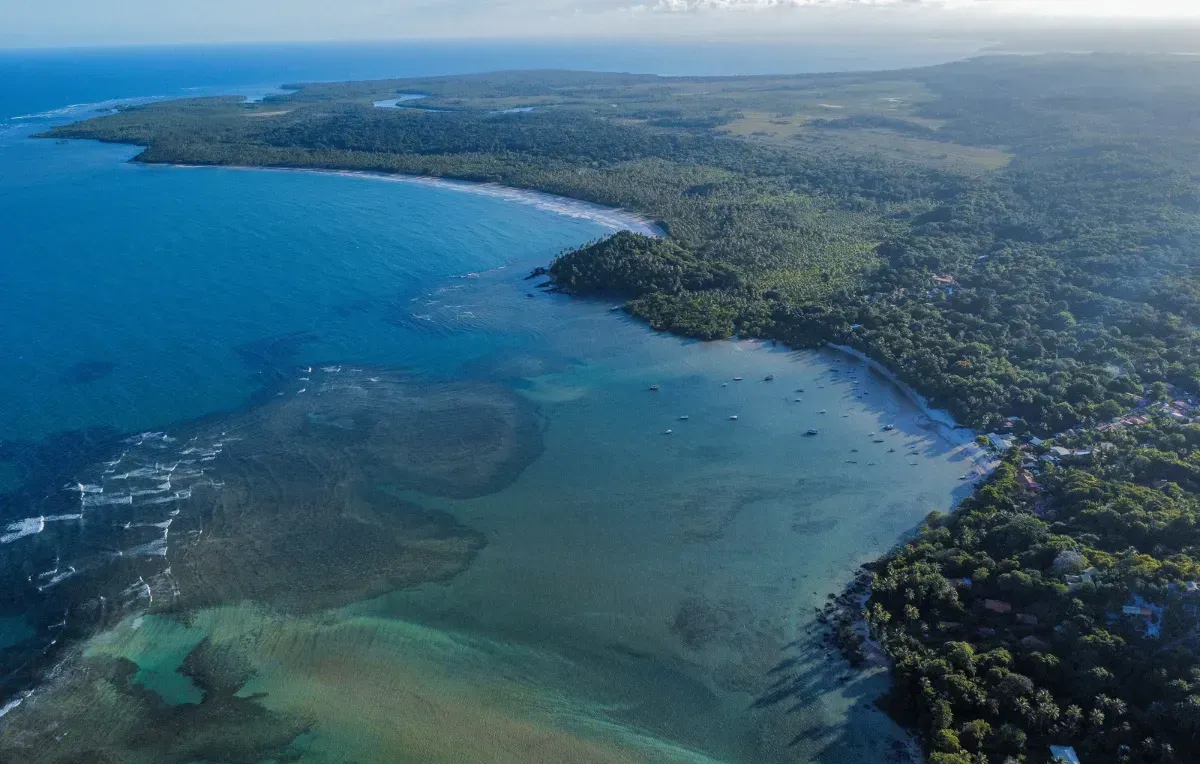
(1064, 754)
(999, 442)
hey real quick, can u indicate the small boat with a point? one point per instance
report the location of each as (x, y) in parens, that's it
(851, 461)
(615, 307)
(799, 389)
(822, 411)
(769, 378)
(891, 450)
(737, 379)
(733, 418)
(889, 427)
(668, 432)
(654, 388)
(878, 440)
(724, 384)
(811, 431)
(870, 433)
(854, 450)
(683, 418)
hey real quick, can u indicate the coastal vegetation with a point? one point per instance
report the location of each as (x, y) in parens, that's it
(1014, 237)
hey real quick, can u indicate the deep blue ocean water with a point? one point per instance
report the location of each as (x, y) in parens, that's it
(138, 298)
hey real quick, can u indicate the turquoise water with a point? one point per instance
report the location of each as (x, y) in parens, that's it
(215, 260)
(300, 465)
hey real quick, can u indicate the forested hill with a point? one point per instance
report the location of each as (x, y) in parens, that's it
(1016, 237)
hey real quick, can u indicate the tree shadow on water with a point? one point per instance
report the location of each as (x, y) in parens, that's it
(831, 706)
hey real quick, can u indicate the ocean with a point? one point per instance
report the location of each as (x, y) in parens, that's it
(299, 466)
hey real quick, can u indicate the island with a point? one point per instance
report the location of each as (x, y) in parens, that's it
(1014, 237)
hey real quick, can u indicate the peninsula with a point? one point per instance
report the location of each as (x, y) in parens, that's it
(1014, 237)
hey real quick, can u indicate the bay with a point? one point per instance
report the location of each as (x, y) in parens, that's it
(306, 451)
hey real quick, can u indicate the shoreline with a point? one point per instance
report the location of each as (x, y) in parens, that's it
(617, 218)
(941, 421)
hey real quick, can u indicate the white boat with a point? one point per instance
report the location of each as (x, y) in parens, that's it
(733, 418)
(683, 418)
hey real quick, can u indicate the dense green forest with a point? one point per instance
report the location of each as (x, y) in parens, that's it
(1013, 236)
(1006, 619)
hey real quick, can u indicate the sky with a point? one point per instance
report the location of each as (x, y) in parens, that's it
(42, 23)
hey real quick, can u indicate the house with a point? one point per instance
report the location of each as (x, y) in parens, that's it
(996, 606)
(998, 442)
(1086, 577)
(943, 279)
(1026, 481)
(966, 582)
(1149, 614)
(1027, 619)
(1059, 451)
(1064, 754)
(1036, 441)
(1033, 643)
(985, 632)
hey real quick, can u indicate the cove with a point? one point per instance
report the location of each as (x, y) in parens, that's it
(604, 591)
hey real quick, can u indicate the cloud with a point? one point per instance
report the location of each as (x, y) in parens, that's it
(1077, 8)
(682, 6)
(85, 22)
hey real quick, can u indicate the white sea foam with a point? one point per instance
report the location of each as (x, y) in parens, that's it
(102, 500)
(30, 526)
(10, 705)
(140, 472)
(58, 578)
(156, 548)
(151, 491)
(185, 493)
(84, 488)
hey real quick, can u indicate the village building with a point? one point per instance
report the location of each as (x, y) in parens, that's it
(1064, 754)
(999, 442)
(997, 606)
